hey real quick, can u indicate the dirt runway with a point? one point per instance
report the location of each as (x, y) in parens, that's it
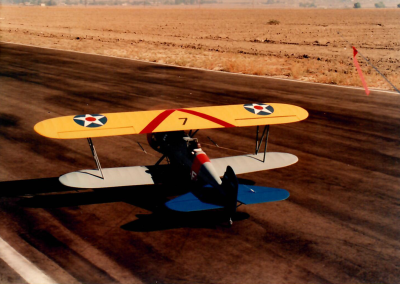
(339, 225)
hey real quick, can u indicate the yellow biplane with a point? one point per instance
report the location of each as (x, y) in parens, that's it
(171, 132)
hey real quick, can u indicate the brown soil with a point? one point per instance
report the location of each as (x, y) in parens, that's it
(311, 45)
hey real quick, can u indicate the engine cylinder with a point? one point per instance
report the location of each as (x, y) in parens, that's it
(165, 141)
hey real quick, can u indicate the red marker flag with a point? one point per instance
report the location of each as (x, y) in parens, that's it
(359, 70)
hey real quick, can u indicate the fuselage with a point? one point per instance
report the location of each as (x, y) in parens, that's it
(185, 151)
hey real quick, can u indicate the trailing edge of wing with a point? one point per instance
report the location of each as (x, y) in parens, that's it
(124, 123)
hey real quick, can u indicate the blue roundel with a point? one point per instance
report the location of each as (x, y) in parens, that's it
(259, 109)
(90, 120)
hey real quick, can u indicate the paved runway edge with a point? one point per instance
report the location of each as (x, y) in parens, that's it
(202, 69)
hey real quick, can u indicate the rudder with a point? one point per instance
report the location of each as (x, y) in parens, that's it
(230, 186)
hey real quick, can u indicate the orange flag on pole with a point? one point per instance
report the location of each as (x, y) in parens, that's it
(359, 70)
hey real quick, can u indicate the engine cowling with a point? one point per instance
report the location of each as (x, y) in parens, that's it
(154, 140)
(164, 141)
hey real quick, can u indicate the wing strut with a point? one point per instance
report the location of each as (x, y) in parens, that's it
(259, 141)
(96, 158)
(160, 160)
(191, 135)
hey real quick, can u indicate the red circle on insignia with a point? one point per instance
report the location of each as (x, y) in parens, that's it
(90, 119)
(258, 107)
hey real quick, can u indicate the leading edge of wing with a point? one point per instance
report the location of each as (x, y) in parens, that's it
(125, 123)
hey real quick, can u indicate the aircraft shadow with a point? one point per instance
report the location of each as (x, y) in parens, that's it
(50, 193)
(149, 197)
(166, 219)
(31, 187)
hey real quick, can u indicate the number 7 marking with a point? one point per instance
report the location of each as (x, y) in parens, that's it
(185, 119)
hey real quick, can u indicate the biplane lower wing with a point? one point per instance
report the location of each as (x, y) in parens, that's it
(247, 194)
(146, 175)
(254, 163)
(112, 177)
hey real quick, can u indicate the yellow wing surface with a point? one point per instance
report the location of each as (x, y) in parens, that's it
(124, 123)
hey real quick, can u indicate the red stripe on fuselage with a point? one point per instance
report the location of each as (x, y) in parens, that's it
(198, 161)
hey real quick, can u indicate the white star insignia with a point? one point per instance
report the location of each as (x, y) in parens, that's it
(257, 108)
(89, 119)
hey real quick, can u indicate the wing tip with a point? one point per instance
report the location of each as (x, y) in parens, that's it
(301, 113)
(43, 129)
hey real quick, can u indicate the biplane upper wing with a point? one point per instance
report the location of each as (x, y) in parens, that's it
(124, 123)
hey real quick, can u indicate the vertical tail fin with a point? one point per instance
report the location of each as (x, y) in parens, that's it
(230, 187)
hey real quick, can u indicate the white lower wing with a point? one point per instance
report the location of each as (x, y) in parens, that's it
(113, 177)
(253, 163)
(141, 175)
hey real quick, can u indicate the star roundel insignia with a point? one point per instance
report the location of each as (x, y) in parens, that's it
(259, 109)
(90, 120)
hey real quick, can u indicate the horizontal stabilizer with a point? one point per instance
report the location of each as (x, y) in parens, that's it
(247, 195)
(251, 194)
(253, 163)
(188, 203)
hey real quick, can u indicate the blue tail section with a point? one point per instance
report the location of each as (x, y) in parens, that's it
(251, 194)
(189, 202)
(247, 194)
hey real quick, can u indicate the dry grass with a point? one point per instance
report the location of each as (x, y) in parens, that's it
(305, 45)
